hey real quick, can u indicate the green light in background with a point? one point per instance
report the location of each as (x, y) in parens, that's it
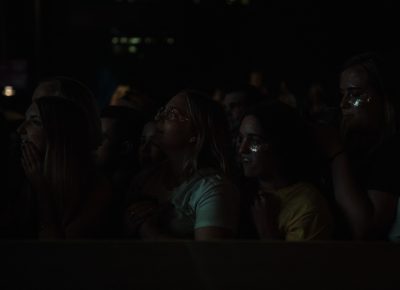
(135, 40)
(132, 49)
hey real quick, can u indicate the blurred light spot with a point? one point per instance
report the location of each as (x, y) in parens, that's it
(115, 40)
(135, 40)
(245, 2)
(117, 49)
(170, 40)
(148, 40)
(8, 91)
(132, 49)
(124, 39)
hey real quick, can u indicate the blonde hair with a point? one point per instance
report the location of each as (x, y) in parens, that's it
(213, 142)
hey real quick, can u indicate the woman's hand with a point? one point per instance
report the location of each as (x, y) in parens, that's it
(32, 163)
(265, 212)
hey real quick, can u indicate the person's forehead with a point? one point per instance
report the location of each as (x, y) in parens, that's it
(32, 110)
(354, 76)
(179, 102)
(250, 125)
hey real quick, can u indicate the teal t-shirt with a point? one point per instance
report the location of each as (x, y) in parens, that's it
(207, 199)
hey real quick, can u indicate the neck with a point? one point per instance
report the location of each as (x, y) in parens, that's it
(273, 183)
(176, 166)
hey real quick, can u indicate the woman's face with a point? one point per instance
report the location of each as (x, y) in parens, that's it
(174, 130)
(361, 106)
(31, 130)
(252, 148)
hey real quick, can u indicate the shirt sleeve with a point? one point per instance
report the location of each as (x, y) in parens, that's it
(218, 206)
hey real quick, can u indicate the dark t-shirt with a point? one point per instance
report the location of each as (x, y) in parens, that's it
(381, 171)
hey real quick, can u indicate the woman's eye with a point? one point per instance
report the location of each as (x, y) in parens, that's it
(172, 115)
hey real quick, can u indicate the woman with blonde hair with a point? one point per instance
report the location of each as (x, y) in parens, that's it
(189, 195)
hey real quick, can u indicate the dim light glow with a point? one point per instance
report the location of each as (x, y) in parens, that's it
(135, 40)
(170, 40)
(132, 49)
(8, 91)
(148, 40)
(123, 39)
(115, 40)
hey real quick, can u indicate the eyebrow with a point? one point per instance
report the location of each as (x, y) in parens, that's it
(352, 88)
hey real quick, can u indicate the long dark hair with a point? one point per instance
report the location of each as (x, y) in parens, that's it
(68, 164)
(213, 142)
(80, 94)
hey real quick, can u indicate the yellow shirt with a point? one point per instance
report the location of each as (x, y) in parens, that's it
(304, 213)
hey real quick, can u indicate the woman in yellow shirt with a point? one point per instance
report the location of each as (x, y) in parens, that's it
(272, 149)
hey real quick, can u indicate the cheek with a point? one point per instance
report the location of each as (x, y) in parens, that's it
(360, 118)
(173, 133)
(36, 136)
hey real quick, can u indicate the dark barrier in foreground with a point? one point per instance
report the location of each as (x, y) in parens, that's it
(199, 265)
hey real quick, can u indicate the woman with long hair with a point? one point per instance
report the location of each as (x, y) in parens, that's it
(189, 195)
(69, 198)
(364, 159)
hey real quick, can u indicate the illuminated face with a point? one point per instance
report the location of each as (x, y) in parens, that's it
(31, 130)
(173, 126)
(252, 148)
(361, 106)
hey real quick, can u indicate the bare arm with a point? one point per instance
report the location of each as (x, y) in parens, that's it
(369, 213)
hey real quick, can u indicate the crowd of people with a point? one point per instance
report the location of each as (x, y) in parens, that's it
(242, 163)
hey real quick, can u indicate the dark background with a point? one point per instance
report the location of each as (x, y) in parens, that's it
(194, 43)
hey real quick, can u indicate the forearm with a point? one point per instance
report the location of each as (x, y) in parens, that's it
(352, 200)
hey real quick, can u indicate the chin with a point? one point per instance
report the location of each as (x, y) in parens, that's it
(249, 173)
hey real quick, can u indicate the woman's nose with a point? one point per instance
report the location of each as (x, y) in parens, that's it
(344, 102)
(243, 148)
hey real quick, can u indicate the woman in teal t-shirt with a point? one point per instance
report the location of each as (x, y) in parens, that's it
(189, 195)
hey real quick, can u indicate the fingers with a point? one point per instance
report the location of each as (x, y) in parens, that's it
(30, 158)
(140, 211)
